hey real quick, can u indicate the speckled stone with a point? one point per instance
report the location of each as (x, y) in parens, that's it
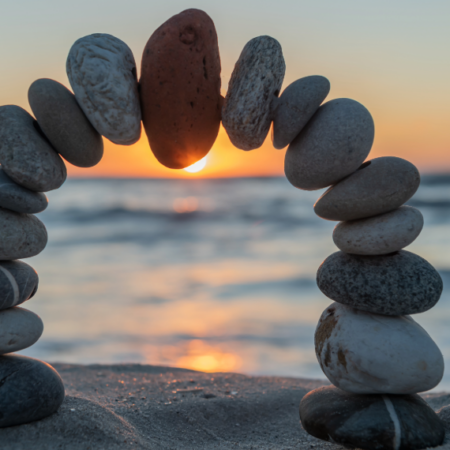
(64, 123)
(296, 105)
(102, 73)
(30, 390)
(26, 155)
(372, 422)
(379, 186)
(365, 353)
(18, 283)
(255, 82)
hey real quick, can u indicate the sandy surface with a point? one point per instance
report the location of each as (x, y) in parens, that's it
(148, 407)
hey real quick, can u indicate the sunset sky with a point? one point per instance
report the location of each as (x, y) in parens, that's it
(392, 56)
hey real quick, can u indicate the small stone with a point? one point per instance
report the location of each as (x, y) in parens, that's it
(26, 155)
(255, 83)
(388, 422)
(180, 89)
(19, 199)
(19, 329)
(64, 123)
(331, 146)
(30, 390)
(364, 353)
(102, 73)
(397, 284)
(378, 186)
(21, 235)
(297, 104)
(18, 283)
(379, 235)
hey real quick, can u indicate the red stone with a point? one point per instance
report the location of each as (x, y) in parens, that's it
(180, 89)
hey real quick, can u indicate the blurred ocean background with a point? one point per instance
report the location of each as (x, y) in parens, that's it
(213, 275)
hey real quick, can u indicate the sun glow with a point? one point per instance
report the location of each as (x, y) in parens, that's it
(196, 167)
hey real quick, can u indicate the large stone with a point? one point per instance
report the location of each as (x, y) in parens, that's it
(255, 83)
(180, 89)
(26, 155)
(64, 123)
(29, 390)
(18, 283)
(295, 107)
(371, 422)
(331, 146)
(364, 353)
(378, 186)
(102, 73)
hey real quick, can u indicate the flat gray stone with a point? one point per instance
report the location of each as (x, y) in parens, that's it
(395, 284)
(102, 73)
(379, 235)
(296, 105)
(18, 283)
(331, 146)
(255, 82)
(26, 155)
(64, 123)
(379, 186)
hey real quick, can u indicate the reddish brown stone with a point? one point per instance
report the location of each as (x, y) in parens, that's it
(180, 89)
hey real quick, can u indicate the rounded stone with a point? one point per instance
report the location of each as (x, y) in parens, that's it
(378, 186)
(379, 235)
(372, 422)
(18, 283)
(64, 123)
(19, 199)
(364, 353)
(30, 390)
(26, 155)
(255, 83)
(331, 146)
(21, 235)
(180, 89)
(19, 329)
(395, 284)
(295, 107)
(102, 73)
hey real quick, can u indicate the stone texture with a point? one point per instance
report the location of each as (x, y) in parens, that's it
(364, 353)
(396, 422)
(379, 235)
(255, 83)
(64, 123)
(295, 107)
(18, 283)
(26, 155)
(180, 89)
(378, 186)
(30, 390)
(102, 73)
(331, 146)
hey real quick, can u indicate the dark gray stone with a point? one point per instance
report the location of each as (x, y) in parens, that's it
(372, 422)
(398, 284)
(29, 390)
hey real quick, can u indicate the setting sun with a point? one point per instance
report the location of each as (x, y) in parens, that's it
(196, 167)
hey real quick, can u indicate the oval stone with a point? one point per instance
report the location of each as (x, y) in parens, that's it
(26, 155)
(378, 186)
(30, 390)
(255, 83)
(366, 353)
(102, 73)
(18, 283)
(180, 89)
(331, 146)
(379, 235)
(64, 123)
(389, 422)
(297, 104)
